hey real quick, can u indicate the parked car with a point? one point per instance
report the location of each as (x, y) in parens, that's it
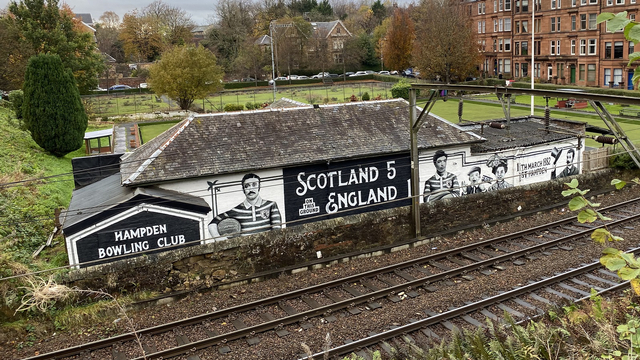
(248, 79)
(359, 73)
(369, 72)
(293, 77)
(302, 77)
(394, 72)
(281, 78)
(384, 72)
(347, 74)
(96, 89)
(333, 75)
(120, 87)
(320, 75)
(143, 85)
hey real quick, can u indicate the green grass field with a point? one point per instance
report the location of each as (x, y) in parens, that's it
(150, 130)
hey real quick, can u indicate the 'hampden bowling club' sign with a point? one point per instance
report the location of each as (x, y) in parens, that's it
(143, 232)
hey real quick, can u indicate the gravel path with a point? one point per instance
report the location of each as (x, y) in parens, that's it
(346, 326)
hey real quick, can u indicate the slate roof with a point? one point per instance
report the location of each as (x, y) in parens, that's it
(327, 26)
(85, 18)
(524, 132)
(286, 103)
(242, 141)
(92, 202)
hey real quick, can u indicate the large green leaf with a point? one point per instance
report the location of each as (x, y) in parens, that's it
(619, 184)
(602, 217)
(630, 259)
(632, 32)
(604, 17)
(573, 184)
(587, 215)
(628, 273)
(613, 263)
(600, 235)
(569, 192)
(618, 22)
(577, 203)
(611, 251)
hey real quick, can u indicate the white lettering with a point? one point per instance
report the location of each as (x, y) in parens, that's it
(300, 191)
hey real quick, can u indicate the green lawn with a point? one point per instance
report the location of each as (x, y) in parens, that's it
(150, 130)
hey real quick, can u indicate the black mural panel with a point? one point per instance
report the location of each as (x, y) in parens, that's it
(320, 192)
(136, 234)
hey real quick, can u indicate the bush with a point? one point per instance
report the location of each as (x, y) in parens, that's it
(623, 161)
(401, 89)
(249, 105)
(16, 97)
(233, 107)
(52, 108)
(353, 98)
(365, 96)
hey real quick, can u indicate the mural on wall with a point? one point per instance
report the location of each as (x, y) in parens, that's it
(457, 172)
(325, 191)
(570, 169)
(442, 184)
(251, 216)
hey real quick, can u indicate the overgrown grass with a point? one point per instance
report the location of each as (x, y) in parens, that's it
(33, 184)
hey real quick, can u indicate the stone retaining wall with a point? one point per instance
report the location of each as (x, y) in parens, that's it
(213, 264)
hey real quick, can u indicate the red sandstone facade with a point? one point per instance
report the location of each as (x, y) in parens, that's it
(569, 47)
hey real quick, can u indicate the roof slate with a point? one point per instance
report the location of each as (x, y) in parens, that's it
(524, 132)
(242, 141)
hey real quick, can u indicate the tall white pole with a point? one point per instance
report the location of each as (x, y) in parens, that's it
(273, 66)
(533, 49)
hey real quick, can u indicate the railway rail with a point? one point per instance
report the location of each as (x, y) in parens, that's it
(369, 291)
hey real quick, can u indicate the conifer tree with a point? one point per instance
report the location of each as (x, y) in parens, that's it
(52, 109)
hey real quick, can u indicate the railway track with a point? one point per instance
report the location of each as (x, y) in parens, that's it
(352, 295)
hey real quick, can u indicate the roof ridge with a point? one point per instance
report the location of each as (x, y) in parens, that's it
(157, 153)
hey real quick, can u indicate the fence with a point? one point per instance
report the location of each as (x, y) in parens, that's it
(596, 159)
(118, 104)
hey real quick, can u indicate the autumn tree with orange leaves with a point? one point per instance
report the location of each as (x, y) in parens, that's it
(446, 45)
(398, 42)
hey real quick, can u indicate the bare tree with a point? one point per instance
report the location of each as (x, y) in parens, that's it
(439, 50)
(174, 23)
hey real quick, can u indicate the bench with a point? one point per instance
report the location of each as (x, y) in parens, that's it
(630, 112)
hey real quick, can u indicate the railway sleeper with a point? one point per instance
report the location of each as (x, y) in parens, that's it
(559, 294)
(573, 289)
(599, 279)
(511, 311)
(586, 284)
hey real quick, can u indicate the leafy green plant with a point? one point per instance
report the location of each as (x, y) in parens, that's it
(401, 89)
(365, 96)
(627, 265)
(233, 107)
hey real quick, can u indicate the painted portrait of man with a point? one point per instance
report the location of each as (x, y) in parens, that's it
(251, 216)
(442, 184)
(570, 168)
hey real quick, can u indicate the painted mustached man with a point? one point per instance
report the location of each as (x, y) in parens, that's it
(251, 216)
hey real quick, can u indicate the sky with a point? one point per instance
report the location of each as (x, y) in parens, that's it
(199, 10)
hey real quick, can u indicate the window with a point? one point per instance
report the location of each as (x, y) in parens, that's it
(495, 45)
(500, 66)
(495, 5)
(484, 27)
(573, 3)
(495, 25)
(583, 2)
(525, 25)
(484, 45)
(573, 23)
(525, 48)
(537, 26)
(536, 47)
(609, 2)
(500, 25)
(507, 65)
(552, 47)
(581, 72)
(617, 76)
(337, 58)
(500, 5)
(517, 70)
(558, 23)
(536, 70)
(632, 1)
(480, 8)
(499, 44)
(525, 69)
(517, 27)
(517, 6)
(607, 50)
(583, 21)
(507, 5)
(583, 47)
(553, 24)
(507, 45)
(618, 50)
(507, 24)
(479, 27)
(573, 47)
(516, 49)
(338, 44)
(560, 70)
(558, 47)
(553, 4)
(631, 47)
(592, 46)
(592, 21)
(525, 5)
(593, 2)
(632, 17)
(591, 72)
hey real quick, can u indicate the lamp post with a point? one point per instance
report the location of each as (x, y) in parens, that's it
(273, 67)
